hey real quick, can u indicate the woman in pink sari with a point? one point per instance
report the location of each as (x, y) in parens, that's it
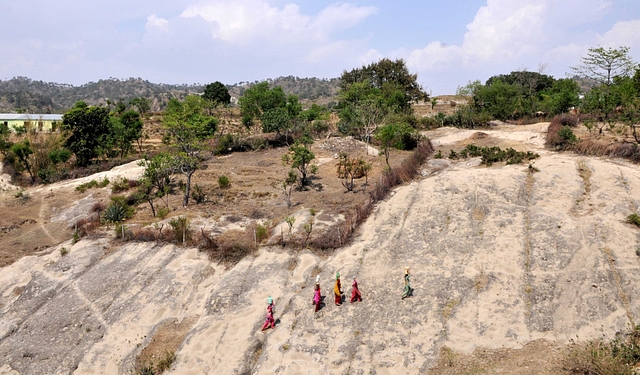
(269, 321)
(317, 298)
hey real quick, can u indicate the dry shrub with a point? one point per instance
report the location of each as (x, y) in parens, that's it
(144, 235)
(566, 120)
(229, 247)
(553, 135)
(595, 358)
(589, 147)
(97, 207)
(87, 226)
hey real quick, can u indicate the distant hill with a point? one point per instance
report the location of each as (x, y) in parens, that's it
(22, 94)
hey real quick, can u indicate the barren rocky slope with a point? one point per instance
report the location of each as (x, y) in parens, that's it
(500, 256)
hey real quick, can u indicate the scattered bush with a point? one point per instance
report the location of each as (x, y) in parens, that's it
(64, 251)
(226, 144)
(150, 368)
(262, 232)
(163, 212)
(634, 219)
(567, 136)
(92, 184)
(118, 210)
(181, 231)
(596, 357)
(438, 155)
(121, 184)
(22, 196)
(223, 182)
(120, 231)
(492, 155)
(197, 193)
(320, 126)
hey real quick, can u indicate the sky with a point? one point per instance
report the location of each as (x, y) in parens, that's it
(447, 43)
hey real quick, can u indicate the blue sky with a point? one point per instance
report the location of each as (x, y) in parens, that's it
(192, 41)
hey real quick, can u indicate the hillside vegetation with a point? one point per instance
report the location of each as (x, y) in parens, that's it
(22, 94)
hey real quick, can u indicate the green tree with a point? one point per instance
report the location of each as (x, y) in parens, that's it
(315, 112)
(125, 129)
(394, 136)
(606, 67)
(563, 95)
(287, 186)
(187, 125)
(142, 104)
(217, 93)
(499, 99)
(5, 143)
(88, 127)
(22, 151)
(275, 120)
(362, 108)
(260, 98)
(300, 157)
(530, 85)
(156, 179)
(387, 73)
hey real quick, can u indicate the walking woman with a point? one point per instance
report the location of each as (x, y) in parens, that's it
(337, 290)
(317, 298)
(355, 292)
(270, 305)
(269, 322)
(407, 284)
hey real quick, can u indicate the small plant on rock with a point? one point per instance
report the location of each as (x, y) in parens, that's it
(634, 219)
(223, 182)
(290, 220)
(181, 231)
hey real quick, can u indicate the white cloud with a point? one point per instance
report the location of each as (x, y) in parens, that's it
(371, 56)
(340, 17)
(154, 21)
(511, 34)
(434, 55)
(256, 21)
(626, 33)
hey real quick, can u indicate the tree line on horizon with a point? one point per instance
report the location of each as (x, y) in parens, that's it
(24, 95)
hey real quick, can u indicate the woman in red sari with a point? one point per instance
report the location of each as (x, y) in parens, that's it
(355, 292)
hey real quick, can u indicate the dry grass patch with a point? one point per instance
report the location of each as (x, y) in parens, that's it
(535, 358)
(159, 354)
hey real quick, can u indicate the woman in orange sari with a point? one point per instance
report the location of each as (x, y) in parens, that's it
(337, 290)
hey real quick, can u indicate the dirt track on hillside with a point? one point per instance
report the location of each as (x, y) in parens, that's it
(500, 257)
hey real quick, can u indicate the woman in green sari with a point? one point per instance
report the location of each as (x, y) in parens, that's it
(408, 290)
